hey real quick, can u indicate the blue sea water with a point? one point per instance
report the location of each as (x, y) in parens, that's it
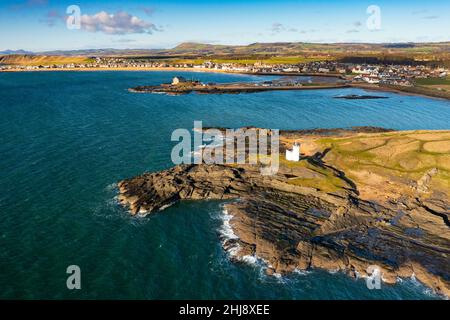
(68, 137)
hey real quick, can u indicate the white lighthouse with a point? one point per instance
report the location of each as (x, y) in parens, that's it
(294, 154)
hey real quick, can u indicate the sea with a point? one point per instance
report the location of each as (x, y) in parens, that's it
(67, 138)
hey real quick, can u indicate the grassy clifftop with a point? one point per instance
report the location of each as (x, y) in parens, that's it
(382, 165)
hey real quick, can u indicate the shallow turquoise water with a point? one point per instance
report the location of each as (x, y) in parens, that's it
(68, 137)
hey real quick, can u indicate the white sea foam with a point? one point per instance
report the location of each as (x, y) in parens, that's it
(111, 187)
(425, 290)
(234, 250)
(226, 230)
(165, 207)
(253, 260)
(333, 271)
(277, 275)
(301, 272)
(227, 234)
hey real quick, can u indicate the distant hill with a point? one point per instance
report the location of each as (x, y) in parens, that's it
(349, 52)
(99, 52)
(283, 48)
(35, 60)
(286, 48)
(15, 52)
(357, 52)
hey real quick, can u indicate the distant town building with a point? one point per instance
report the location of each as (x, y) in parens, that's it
(294, 154)
(178, 80)
(371, 79)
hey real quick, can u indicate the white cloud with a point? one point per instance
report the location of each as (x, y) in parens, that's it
(118, 23)
(431, 17)
(277, 27)
(307, 31)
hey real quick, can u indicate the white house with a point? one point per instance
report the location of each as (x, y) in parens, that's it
(294, 154)
(178, 80)
(371, 79)
(291, 69)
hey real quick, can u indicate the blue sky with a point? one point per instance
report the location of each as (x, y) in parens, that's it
(39, 25)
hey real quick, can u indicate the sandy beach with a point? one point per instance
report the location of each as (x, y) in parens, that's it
(125, 69)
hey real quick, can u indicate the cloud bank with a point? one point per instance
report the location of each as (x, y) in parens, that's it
(118, 23)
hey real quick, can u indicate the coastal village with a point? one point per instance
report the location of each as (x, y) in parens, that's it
(383, 74)
(225, 159)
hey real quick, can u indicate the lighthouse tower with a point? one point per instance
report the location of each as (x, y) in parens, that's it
(294, 154)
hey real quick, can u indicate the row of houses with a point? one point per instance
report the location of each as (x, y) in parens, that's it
(369, 73)
(395, 74)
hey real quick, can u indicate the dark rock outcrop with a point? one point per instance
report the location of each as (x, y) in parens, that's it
(294, 227)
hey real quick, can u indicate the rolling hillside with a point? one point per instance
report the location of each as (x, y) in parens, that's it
(286, 52)
(35, 60)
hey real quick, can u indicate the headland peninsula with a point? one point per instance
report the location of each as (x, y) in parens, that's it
(181, 86)
(357, 197)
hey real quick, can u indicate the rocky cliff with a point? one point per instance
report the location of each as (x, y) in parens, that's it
(313, 214)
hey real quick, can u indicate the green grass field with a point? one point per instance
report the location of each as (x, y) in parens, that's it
(433, 81)
(407, 155)
(269, 61)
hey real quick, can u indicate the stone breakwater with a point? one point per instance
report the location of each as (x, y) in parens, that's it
(227, 88)
(296, 227)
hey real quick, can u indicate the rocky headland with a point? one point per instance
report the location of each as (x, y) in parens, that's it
(360, 97)
(230, 88)
(356, 198)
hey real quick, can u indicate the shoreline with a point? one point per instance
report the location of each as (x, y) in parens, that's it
(402, 91)
(170, 69)
(409, 91)
(202, 70)
(132, 69)
(230, 244)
